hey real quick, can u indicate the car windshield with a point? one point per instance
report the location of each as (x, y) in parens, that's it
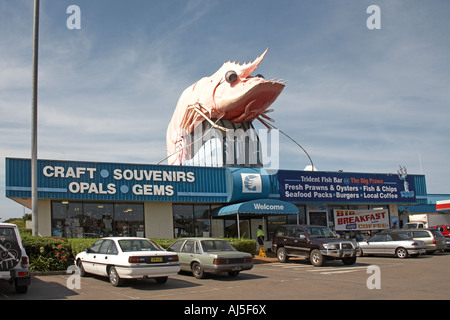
(320, 232)
(216, 245)
(130, 245)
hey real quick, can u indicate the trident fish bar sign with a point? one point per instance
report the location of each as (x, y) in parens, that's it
(339, 187)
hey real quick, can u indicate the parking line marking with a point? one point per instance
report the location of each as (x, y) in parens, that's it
(293, 267)
(337, 270)
(333, 272)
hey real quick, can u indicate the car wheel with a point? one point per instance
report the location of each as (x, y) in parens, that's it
(197, 270)
(161, 280)
(114, 278)
(401, 253)
(316, 258)
(282, 255)
(83, 273)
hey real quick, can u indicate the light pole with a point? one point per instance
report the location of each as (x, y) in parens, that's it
(34, 105)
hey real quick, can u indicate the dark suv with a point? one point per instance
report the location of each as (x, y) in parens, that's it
(316, 243)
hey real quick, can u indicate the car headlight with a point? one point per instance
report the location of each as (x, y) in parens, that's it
(330, 246)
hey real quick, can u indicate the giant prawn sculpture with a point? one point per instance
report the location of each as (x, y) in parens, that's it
(231, 93)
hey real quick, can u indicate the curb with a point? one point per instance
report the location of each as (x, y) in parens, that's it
(49, 273)
(258, 259)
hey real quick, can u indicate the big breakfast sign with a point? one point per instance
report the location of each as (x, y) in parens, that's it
(345, 220)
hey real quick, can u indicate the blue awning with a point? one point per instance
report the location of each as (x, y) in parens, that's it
(257, 207)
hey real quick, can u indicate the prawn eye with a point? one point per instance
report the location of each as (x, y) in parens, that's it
(231, 76)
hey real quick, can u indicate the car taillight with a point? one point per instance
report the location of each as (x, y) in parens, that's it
(414, 244)
(24, 261)
(135, 259)
(172, 258)
(248, 260)
(220, 261)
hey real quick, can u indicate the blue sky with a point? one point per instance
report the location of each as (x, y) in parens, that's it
(358, 100)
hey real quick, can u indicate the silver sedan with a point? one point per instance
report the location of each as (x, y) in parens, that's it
(394, 243)
(210, 255)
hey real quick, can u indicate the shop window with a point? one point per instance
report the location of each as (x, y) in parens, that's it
(98, 220)
(191, 220)
(273, 222)
(202, 214)
(129, 220)
(95, 220)
(183, 219)
(231, 230)
(68, 219)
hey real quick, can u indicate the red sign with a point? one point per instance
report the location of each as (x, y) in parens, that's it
(443, 205)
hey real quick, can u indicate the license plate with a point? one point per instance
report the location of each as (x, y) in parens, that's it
(156, 259)
(236, 268)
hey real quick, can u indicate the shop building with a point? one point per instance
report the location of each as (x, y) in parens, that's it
(95, 199)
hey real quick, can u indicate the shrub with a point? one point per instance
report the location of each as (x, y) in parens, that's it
(78, 245)
(165, 243)
(47, 254)
(245, 245)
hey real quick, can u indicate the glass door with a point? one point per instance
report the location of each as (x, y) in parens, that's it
(319, 218)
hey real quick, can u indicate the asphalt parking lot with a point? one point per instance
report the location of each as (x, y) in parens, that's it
(371, 278)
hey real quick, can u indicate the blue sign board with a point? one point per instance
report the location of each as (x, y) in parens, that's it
(340, 187)
(116, 182)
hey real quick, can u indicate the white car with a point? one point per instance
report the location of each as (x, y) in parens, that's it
(127, 258)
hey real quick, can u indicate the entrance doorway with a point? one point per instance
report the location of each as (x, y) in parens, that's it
(319, 218)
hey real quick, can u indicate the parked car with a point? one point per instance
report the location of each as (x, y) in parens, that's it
(392, 242)
(444, 229)
(434, 240)
(447, 240)
(316, 243)
(122, 258)
(14, 263)
(210, 255)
